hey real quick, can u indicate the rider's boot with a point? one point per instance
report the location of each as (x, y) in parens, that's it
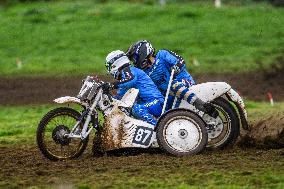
(183, 91)
(205, 107)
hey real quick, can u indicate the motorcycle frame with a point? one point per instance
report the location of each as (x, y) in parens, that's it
(168, 92)
(86, 130)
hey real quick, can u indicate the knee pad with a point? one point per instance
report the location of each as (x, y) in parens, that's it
(137, 110)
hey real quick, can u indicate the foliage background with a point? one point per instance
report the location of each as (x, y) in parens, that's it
(73, 37)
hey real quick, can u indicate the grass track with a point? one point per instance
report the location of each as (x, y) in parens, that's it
(73, 37)
(18, 124)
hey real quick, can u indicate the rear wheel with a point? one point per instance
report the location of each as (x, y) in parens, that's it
(181, 133)
(224, 130)
(51, 135)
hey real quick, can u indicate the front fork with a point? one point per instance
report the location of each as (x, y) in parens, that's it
(86, 117)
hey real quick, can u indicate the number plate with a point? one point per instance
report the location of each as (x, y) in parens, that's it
(142, 136)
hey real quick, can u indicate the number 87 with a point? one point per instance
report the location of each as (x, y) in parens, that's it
(140, 133)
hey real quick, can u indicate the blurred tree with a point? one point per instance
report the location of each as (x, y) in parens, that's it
(279, 3)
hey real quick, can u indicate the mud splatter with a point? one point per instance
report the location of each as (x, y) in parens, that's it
(266, 133)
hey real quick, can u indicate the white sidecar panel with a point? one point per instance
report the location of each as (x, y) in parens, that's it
(210, 90)
(122, 131)
(129, 98)
(137, 133)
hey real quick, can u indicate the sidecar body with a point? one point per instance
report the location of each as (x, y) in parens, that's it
(179, 134)
(121, 130)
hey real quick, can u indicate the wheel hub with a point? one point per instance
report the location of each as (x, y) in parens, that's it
(215, 131)
(182, 133)
(214, 126)
(59, 135)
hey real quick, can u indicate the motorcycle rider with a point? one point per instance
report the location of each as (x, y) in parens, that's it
(158, 67)
(150, 100)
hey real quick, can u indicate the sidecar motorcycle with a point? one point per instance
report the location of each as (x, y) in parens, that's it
(63, 133)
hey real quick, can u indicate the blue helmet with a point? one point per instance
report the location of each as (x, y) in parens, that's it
(139, 53)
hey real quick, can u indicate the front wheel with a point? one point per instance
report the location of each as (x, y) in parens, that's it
(224, 130)
(181, 133)
(52, 131)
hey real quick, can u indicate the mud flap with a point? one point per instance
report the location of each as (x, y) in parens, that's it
(122, 131)
(238, 101)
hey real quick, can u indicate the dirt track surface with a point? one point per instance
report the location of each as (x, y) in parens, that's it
(28, 90)
(25, 166)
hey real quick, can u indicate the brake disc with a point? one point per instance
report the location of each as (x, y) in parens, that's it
(59, 135)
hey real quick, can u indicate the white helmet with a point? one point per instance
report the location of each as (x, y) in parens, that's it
(114, 61)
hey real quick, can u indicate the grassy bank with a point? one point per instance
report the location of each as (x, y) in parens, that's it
(70, 38)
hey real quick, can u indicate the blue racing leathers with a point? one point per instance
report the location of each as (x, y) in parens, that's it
(160, 72)
(150, 100)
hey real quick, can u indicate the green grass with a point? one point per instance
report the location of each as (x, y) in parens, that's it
(18, 124)
(262, 110)
(73, 37)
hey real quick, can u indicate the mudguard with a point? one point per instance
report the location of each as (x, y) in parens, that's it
(233, 96)
(206, 92)
(70, 99)
(210, 90)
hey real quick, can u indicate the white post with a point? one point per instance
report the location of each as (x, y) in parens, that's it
(195, 62)
(269, 94)
(217, 3)
(162, 2)
(19, 63)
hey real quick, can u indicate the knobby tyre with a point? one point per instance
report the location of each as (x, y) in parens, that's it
(181, 133)
(229, 131)
(50, 135)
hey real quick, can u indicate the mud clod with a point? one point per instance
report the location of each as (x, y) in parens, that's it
(266, 133)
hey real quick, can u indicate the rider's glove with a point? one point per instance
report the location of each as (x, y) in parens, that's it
(176, 69)
(107, 86)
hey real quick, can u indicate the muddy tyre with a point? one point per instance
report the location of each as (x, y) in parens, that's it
(50, 135)
(181, 133)
(225, 133)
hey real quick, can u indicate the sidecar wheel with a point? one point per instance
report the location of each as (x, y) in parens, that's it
(225, 133)
(50, 135)
(181, 133)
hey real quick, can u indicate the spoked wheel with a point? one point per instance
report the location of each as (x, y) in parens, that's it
(181, 133)
(52, 133)
(224, 130)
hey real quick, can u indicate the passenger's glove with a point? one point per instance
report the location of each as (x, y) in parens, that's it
(107, 86)
(206, 108)
(176, 69)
